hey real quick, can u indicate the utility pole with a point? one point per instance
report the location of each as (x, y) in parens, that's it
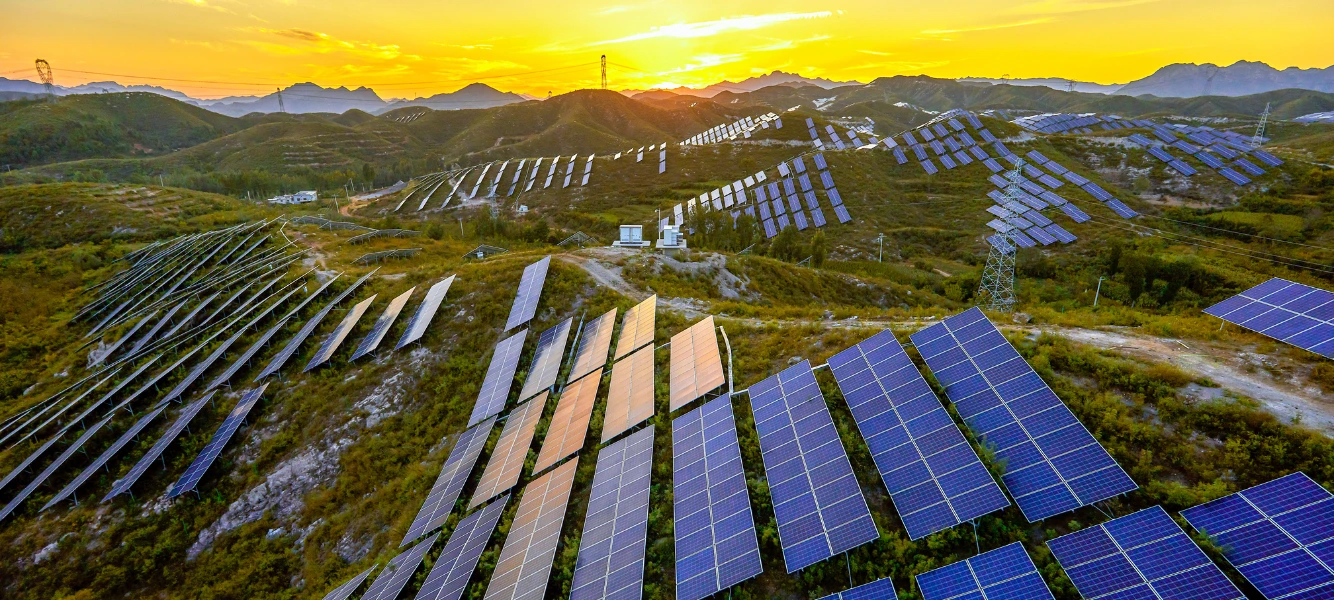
(1098, 292)
(881, 238)
(604, 71)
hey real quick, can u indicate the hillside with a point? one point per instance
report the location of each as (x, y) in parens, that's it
(105, 125)
(474, 95)
(1242, 78)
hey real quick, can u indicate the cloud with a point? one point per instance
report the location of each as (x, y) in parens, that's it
(876, 53)
(1051, 7)
(790, 44)
(701, 29)
(945, 32)
(903, 66)
(198, 43)
(202, 4)
(322, 43)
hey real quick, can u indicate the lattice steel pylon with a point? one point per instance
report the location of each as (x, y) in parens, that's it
(1259, 138)
(48, 79)
(604, 71)
(996, 291)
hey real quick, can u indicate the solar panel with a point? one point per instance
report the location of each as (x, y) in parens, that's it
(876, 590)
(195, 471)
(1294, 313)
(1266, 158)
(963, 158)
(611, 549)
(454, 567)
(345, 591)
(389, 584)
(546, 359)
(1277, 535)
(382, 324)
(1141, 555)
(101, 460)
(453, 474)
(124, 484)
(524, 565)
(630, 399)
(841, 212)
(502, 471)
(820, 163)
(947, 161)
(1074, 213)
(286, 353)
(51, 468)
(1053, 464)
(819, 505)
(1121, 209)
(1210, 160)
(929, 167)
(1234, 176)
(716, 546)
(1058, 232)
(594, 342)
(934, 477)
(1075, 178)
(818, 216)
(696, 366)
(340, 333)
(992, 165)
(1248, 167)
(569, 425)
(530, 290)
(1006, 572)
(899, 156)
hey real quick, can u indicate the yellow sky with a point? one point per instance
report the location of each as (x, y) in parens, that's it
(408, 48)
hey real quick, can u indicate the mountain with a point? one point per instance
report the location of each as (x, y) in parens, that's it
(1054, 83)
(1238, 79)
(306, 98)
(749, 85)
(474, 95)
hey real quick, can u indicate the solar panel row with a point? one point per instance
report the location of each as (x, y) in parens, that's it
(234, 420)
(696, 365)
(524, 565)
(340, 333)
(594, 342)
(530, 291)
(547, 359)
(611, 549)
(350, 587)
(183, 419)
(817, 500)
(1006, 572)
(454, 567)
(499, 378)
(569, 424)
(1290, 312)
(630, 398)
(454, 474)
(372, 340)
(389, 584)
(507, 459)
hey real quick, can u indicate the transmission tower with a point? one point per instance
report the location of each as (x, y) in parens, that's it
(1259, 137)
(281, 108)
(1070, 85)
(48, 79)
(604, 71)
(996, 292)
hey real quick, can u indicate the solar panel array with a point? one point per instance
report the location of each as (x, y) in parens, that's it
(183, 419)
(234, 419)
(876, 590)
(569, 424)
(696, 367)
(1279, 535)
(611, 549)
(51, 468)
(594, 342)
(340, 333)
(102, 459)
(1053, 464)
(530, 291)
(1141, 555)
(524, 565)
(546, 359)
(630, 399)
(507, 459)
(389, 584)
(449, 575)
(372, 340)
(817, 500)
(637, 327)
(286, 353)
(934, 477)
(716, 546)
(1006, 572)
(499, 378)
(345, 591)
(454, 473)
(1286, 311)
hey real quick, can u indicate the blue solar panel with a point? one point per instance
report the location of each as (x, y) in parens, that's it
(123, 484)
(1003, 573)
(546, 360)
(919, 152)
(1212, 161)
(820, 163)
(1121, 209)
(967, 139)
(986, 135)
(1141, 555)
(899, 156)
(1052, 198)
(934, 477)
(1050, 181)
(940, 130)
(499, 378)
(826, 179)
(530, 291)
(1248, 166)
(973, 120)
(805, 182)
(782, 221)
(799, 219)
(1182, 168)
(937, 147)
(611, 549)
(716, 546)
(1097, 192)
(818, 503)
(1037, 157)
(799, 164)
(927, 134)
(1074, 213)
(955, 124)
(1234, 176)
(963, 158)
(929, 167)
(908, 138)
(1060, 233)
(841, 212)
(1289, 312)
(818, 217)
(1052, 464)
(1022, 240)
(770, 229)
(1266, 158)
(389, 583)
(954, 145)
(1041, 235)
(196, 470)
(1279, 535)
(96, 466)
(993, 165)
(454, 473)
(764, 212)
(876, 590)
(1160, 154)
(947, 161)
(979, 153)
(454, 567)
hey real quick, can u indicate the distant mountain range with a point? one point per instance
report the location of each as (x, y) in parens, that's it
(745, 85)
(1241, 78)
(474, 95)
(1054, 83)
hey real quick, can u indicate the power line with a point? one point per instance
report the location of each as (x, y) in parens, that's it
(1242, 233)
(1239, 252)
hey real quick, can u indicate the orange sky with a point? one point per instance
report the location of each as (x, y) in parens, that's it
(408, 48)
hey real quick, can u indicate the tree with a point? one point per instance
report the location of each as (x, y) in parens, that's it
(784, 246)
(368, 172)
(435, 231)
(819, 249)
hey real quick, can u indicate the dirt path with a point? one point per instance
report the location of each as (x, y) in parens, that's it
(1227, 369)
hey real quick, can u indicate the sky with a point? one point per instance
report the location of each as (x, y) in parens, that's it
(411, 48)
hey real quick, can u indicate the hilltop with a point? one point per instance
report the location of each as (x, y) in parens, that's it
(1238, 79)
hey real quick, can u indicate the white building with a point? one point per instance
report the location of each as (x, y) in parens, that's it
(297, 198)
(632, 236)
